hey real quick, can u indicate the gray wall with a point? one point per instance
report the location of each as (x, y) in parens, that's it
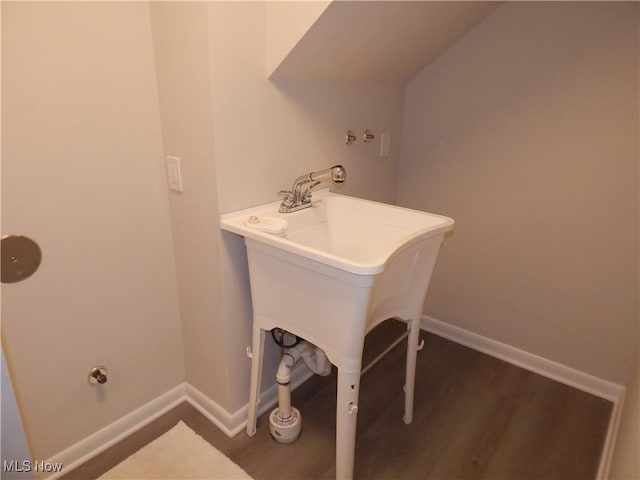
(526, 133)
(82, 174)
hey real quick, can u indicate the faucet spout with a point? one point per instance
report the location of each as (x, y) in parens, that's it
(336, 173)
(299, 196)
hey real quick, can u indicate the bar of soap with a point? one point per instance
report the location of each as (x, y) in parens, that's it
(276, 226)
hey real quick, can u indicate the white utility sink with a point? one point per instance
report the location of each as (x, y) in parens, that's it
(329, 274)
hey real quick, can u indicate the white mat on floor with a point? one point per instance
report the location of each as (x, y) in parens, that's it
(178, 454)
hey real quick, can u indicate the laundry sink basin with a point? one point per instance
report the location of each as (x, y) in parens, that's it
(351, 234)
(330, 273)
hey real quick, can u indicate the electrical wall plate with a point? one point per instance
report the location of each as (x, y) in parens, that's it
(174, 173)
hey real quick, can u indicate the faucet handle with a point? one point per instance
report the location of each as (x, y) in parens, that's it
(289, 198)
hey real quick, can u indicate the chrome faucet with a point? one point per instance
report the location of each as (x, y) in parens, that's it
(299, 196)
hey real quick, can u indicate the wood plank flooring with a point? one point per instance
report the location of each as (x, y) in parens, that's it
(475, 417)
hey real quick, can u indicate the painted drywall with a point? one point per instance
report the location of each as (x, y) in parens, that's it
(267, 133)
(241, 137)
(262, 136)
(625, 461)
(181, 45)
(526, 133)
(90, 130)
(378, 41)
(82, 174)
(286, 24)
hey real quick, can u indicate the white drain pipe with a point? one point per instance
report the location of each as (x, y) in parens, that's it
(286, 421)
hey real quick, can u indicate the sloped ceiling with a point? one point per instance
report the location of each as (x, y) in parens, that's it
(372, 41)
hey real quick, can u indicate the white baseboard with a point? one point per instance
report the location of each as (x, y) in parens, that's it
(230, 423)
(108, 436)
(233, 423)
(547, 368)
(216, 414)
(542, 366)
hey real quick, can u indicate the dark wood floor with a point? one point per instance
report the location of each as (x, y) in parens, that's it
(475, 417)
